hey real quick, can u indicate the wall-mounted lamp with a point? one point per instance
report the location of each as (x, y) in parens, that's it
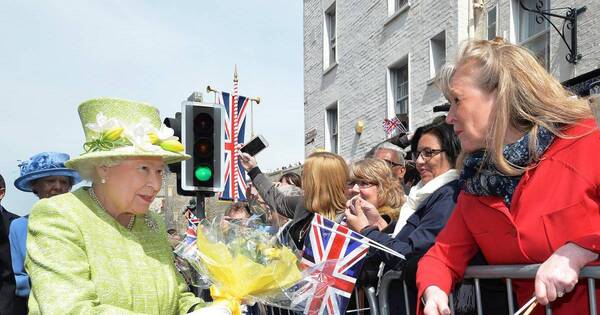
(360, 127)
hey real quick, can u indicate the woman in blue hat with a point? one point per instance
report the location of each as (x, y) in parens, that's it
(99, 250)
(46, 176)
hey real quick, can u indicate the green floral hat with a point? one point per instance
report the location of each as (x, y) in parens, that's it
(122, 128)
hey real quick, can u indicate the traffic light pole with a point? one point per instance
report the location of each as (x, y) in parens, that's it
(201, 204)
(201, 291)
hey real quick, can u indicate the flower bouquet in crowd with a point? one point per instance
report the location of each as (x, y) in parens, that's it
(241, 260)
(245, 262)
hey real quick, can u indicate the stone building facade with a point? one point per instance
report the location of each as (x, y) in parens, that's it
(373, 59)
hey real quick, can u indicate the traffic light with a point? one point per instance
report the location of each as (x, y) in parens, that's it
(202, 136)
(175, 124)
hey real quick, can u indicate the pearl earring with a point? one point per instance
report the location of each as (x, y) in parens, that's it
(102, 180)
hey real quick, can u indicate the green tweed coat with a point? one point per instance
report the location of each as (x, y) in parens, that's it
(82, 261)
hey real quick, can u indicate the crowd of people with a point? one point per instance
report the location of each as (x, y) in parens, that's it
(507, 177)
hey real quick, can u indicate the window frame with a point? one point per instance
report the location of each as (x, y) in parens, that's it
(531, 38)
(437, 54)
(330, 49)
(395, 89)
(332, 140)
(487, 22)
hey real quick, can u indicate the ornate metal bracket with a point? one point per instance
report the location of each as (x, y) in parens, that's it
(569, 20)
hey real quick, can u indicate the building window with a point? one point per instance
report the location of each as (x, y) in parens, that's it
(399, 4)
(437, 54)
(534, 36)
(332, 129)
(329, 40)
(492, 25)
(396, 5)
(399, 92)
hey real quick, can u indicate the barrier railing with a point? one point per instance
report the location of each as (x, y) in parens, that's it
(506, 272)
(370, 296)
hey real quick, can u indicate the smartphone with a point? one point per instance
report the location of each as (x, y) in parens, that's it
(255, 145)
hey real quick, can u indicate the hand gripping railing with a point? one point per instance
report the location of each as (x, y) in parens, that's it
(507, 272)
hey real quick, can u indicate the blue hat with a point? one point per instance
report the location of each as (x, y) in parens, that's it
(44, 164)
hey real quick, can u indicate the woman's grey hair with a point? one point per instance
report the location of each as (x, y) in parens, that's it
(87, 170)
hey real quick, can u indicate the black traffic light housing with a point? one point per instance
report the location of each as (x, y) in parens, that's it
(202, 135)
(175, 124)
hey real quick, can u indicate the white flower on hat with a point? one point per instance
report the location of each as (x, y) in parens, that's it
(103, 123)
(138, 135)
(143, 136)
(164, 137)
(163, 134)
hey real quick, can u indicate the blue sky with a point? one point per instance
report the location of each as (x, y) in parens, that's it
(56, 54)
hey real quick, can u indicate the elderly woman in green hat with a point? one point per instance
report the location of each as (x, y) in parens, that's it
(98, 250)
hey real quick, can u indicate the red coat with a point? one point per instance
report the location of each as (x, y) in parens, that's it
(554, 203)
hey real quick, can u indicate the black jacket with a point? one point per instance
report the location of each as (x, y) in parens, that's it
(7, 278)
(420, 230)
(8, 218)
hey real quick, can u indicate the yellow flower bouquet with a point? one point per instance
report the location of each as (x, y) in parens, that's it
(243, 262)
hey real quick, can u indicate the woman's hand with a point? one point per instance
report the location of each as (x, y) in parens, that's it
(247, 160)
(558, 275)
(355, 216)
(436, 301)
(370, 211)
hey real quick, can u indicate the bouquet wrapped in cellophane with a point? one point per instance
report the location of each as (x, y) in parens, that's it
(244, 262)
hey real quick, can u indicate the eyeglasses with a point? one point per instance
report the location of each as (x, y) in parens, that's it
(393, 164)
(426, 154)
(360, 184)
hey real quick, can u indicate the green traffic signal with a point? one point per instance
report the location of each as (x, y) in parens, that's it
(203, 173)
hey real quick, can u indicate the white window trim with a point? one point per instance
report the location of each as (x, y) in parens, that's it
(391, 101)
(535, 37)
(514, 18)
(328, 148)
(393, 15)
(515, 28)
(392, 7)
(432, 70)
(327, 64)
(487, 35)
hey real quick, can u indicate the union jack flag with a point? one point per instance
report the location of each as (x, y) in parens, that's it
(389, 125)
(187, 247)
(336, 261)
(192, 228)
(234, 175)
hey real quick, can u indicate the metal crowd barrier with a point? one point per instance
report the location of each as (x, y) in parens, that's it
(506, 272)
(371, 308)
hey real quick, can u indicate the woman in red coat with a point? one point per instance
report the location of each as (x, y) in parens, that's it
(530, 179)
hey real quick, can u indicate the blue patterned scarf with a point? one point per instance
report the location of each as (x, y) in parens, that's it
(481, 178)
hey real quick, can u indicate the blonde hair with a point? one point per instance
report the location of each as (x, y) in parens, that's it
(324, 180)
(527, 96)
(378, 172)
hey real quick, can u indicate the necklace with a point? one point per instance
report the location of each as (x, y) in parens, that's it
(131, 222)
(153, 226)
